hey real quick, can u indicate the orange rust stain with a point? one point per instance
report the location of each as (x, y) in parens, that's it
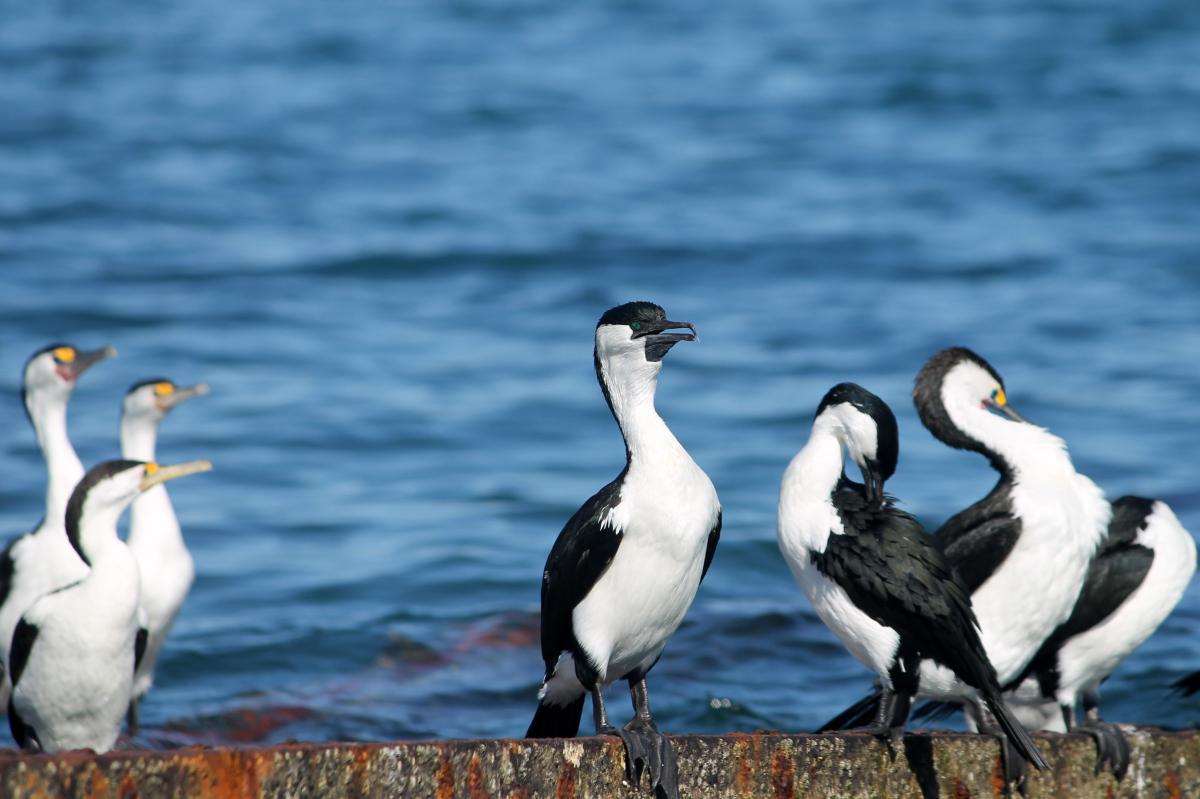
(743, 777)
(229, 774)
(999, 785)
(475, 785)
(97, 783)
(445, 777)
(961, 791)
(520, 792)
(782, 778)
(1110, 793)
(566, 783)
(1171, 783)
(128, 788)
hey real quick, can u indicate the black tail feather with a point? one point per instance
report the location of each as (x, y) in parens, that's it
(1187, 685)
(860, 714)
(1016, 734)
(553, 721)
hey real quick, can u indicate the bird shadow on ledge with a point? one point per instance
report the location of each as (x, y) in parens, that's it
(918, 752)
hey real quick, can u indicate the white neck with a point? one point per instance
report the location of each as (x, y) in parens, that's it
(816, 469)
(647, 437)
(152, 521)
(139, 437)
(1027, 450)
(63, 467)
(806, 513)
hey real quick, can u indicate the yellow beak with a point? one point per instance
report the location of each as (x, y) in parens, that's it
(156, 474)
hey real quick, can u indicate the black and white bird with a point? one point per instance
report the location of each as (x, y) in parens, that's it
(75, 650)
(626, 567)
(873, 574)
(154, 537)
(1022, 551)
(43, 560)
(1135, 581)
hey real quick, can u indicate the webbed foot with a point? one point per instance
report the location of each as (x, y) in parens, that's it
(1112, 748)
(649, 751)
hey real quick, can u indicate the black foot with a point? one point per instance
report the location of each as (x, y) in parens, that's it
(1014, 766)
(1112, 749)
(648, 750)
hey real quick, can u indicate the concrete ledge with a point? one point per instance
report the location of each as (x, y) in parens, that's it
(737, 766)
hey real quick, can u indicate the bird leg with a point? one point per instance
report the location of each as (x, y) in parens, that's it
(1014, 764)
(600, 714)
(647, 749)
(1112, 748)
(891, 716)
(131, 717)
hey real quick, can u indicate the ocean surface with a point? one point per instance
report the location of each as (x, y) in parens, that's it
(383, 234)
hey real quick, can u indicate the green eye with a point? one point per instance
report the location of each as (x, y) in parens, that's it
(995, 391)
(635, 325)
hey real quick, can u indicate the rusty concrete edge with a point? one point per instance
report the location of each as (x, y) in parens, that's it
(9, 757)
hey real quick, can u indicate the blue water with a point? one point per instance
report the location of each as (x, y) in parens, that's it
(383, 234)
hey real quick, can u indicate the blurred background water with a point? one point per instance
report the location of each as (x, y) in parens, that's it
(383, 233)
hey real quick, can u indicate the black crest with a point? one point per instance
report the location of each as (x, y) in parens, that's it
(95, 475)
(927, 397)
(148, 382)
(887, 432)
(632, 312)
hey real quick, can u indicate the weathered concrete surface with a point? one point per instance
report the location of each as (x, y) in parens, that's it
(947, 765)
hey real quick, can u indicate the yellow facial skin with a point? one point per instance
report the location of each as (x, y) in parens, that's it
(163, 389)
(64, 354)
(999, 397)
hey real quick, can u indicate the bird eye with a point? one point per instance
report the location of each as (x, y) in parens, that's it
(635, 325)
(64, 354)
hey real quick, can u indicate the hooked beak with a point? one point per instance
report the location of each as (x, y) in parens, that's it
(873, 482)
(156, 474)
(181, 395)
(1001, 405)
(658, 343)
(85, 360)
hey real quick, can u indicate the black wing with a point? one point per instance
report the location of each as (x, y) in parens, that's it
(579, 556)
(22, 733)
(22, 644)
(892, 570)
(978, 539)
(139, 647)
(713, 537)
(6, 570)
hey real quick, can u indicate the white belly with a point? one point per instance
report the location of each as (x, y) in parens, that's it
(76, 686)
(637, 604)
(873, 644)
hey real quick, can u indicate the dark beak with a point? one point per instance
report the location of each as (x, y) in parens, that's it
(873, 483)
(85, 360)
(658, 343)
(1006, 410)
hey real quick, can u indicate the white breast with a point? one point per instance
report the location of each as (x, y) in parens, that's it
(43, 561)
(1089, 657)
(665, 514)
(77, 682)
(1034, 591)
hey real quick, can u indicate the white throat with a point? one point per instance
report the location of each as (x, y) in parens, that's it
(1026, 449)
(631, 386)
